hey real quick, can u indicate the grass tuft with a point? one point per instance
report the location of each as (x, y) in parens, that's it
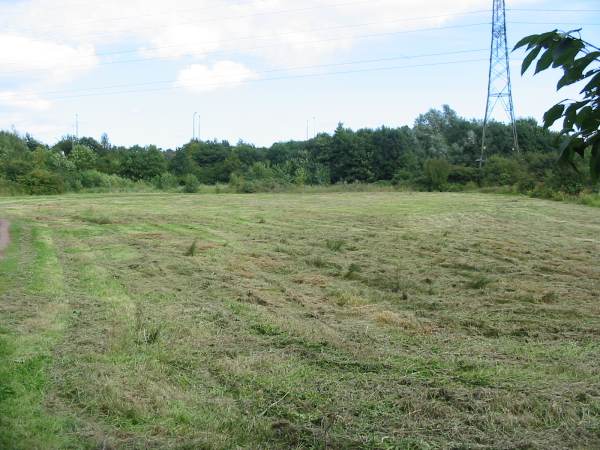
(317, 261)
(193, 249)
(478, 282)
(352, 271)
(335, 245)
(93, 217)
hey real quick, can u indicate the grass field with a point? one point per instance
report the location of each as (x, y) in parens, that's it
(371, 320)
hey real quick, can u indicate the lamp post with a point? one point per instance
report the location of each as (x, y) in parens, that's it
(194, 125)
(199, 116)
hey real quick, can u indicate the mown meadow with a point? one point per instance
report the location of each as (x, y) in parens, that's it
(325, 320)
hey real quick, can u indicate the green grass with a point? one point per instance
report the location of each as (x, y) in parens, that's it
(323, 320)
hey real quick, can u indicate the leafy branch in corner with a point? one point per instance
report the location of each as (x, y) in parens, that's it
(580, 62)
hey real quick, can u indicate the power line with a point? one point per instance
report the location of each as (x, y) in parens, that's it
(554, 10)
(155, 58)
(222, 19)
(300, 76)
(556, 23)
(265, 13)
(337, 38)
(305, 30)
(111, 19)
(283, 69)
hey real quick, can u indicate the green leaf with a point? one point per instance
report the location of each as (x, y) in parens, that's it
(529, 59)
(547, 39)
(580, 64)
(566, 152)
(526, 41)
(544, 62)
(593, 84)
(553, 114)
(564, 53)
(573, 144)
(568, 78)
(585, 118)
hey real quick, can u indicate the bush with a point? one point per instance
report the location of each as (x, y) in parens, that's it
(463, 174)
(565, 179)
(190, 184)
(40, 182)
(93, 179)
(402, 177)
(165, 181)
(501, 171)
(590, 199)
(262, 177)
(471, 186)
(436, 172)
(17, 168)
(99, 181)
(8, 187)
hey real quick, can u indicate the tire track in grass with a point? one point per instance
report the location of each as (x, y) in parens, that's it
(4, 236)
(112, 367)
(27, 341)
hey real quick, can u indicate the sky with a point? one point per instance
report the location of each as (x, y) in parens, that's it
(260, 71)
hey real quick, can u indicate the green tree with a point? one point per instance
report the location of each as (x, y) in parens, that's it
(143, 163)
(82, 157)
(580, 62)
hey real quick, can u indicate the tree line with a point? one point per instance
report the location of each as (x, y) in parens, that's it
(440, 151)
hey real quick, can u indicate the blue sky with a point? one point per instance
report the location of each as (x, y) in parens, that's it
(258, 70)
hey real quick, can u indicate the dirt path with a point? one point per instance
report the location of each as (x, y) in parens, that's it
(4, 236)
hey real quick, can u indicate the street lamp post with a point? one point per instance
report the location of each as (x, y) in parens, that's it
(194, 125)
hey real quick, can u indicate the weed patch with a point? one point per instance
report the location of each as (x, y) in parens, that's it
(335, 245)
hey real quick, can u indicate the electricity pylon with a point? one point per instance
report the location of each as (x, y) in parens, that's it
(499, 86)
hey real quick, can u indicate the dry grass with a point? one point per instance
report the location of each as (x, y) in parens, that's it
(339, 320)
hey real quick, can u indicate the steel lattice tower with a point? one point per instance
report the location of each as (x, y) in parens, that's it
(499, 86)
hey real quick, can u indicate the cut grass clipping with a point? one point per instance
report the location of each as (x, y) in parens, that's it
(342, 320)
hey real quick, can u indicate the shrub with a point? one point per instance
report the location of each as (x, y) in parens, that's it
(8, 187)
(165, 181)
(40, 182)
(402, 177)
(501, 171)
(261, 178)
(463, 174)
(590, 200)
(471, 186)
(16, 168)
(94, 180)
(436, 173)
(190, 184)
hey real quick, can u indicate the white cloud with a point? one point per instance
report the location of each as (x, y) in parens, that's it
(55, 42)
(201, 78)
(57, 62)
(199, 27)
(183, 40)
(24, 100)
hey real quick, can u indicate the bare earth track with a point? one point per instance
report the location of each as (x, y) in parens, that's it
(4, 236)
